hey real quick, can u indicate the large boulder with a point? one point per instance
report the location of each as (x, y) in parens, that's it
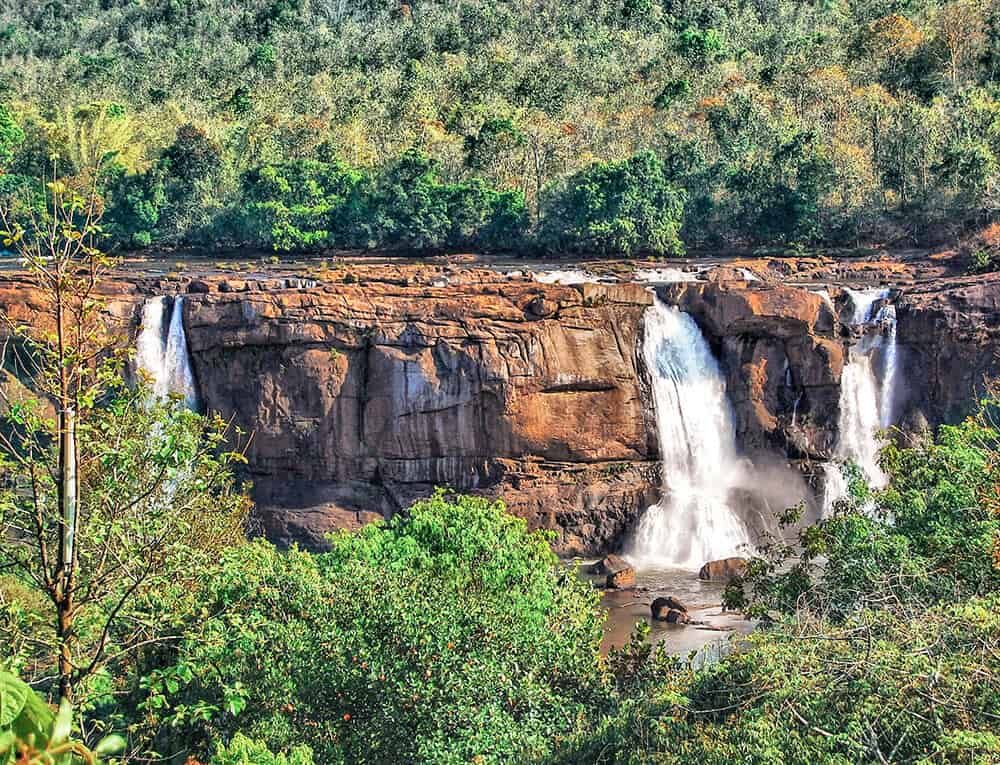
(723, 570)
(621, 580)
(670, 610)
(609, 564)
(617, 570)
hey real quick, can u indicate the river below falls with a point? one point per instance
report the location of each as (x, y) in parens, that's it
(704, 601)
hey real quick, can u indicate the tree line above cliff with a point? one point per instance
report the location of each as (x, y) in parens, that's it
(605, 125)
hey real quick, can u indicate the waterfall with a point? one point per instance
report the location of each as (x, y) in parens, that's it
(859, 417)
(824, 295)
(694, 521)
(867, 392)
(863, 304)
(886, 319)
(162, 350)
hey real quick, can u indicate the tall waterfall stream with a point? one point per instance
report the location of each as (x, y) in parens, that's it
(867, 393)
(695, 520)
(162, 351)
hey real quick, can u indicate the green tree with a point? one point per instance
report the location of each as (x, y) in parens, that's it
(11, 136)
(305, 204)
(413, 207)
(616, 208)
(134, 206)
(31, 735)
(105, 497)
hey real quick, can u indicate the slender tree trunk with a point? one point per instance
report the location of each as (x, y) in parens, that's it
(65, 576)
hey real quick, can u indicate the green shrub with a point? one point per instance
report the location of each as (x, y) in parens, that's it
(917, 687)
(30, 734)
(11, 136)
(446, 635)
(928, 536)
(304, 204)
(243, 751)
(413, 208)
(134, 205)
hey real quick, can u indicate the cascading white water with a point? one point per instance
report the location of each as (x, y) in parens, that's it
(863, 304)
(162, 351)
(859, 418)
(825, 297)
(566, 277)
(886, 319)
(867, 393)
(665, 275)
(694, 522)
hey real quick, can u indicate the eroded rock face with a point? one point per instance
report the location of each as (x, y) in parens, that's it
(365, 391)
(784, 350)
(949, 335)
(380, 392)
(783, 360)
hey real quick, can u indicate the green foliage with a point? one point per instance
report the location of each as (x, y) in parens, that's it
(159, 493)
(942, 499)
(883, 639)
(31, 734)
(928, 536)
(243, 751)
(309, 204)
(617, 208)
(303, 204)
(412, 207)
(135, 204)
(868, 122)
(919, 687)
(448, 635)
(11, 136)
(700, 45)
(672, 92)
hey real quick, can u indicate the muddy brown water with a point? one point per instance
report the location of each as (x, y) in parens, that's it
(625, 608)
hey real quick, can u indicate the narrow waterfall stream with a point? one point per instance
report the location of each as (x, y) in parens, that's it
(694, 522)
(867, 393)
(162, 350)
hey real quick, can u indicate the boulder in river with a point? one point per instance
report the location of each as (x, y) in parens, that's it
(661, 608)
(676, 617)
(609, 564)
(618, 571)
(621, 580)
(724, 570)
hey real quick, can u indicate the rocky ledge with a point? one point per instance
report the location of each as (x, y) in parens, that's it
(364, 388)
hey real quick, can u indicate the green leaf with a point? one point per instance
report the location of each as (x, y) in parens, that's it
(13, 696)
(109, 745)
(22, 710)
(64, 723)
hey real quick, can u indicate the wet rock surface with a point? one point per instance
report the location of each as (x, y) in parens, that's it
(723, 570)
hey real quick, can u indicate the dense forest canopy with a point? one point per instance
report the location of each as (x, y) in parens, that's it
(613, 126)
